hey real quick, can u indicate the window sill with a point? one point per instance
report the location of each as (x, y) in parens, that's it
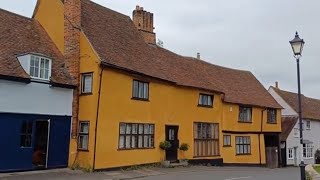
(248, 154)
(130, 149)
(140, 99)
(308, 158)
(248, 122)
(227, 146)
(272, 123)
(206, 156)
(205, 106)
(83, 150)
(86, 94)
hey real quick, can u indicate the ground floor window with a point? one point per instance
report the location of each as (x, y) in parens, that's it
(290, 153)
(136, 136)
(243, 145)
(226, 140)
(26, 134)
(307, 151)
(83, 137)
(206, 139)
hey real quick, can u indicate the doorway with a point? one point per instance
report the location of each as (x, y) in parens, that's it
(172, 137)
(40, 152)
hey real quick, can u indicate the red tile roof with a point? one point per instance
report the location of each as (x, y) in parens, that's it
(287, 124)
(310, 106)
(21, 35)
(118, 43)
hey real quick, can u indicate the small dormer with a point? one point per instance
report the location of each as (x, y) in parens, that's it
(37, 66)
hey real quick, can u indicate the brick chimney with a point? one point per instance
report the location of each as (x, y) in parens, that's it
(143, 20)
(277, 84)
(72, 25)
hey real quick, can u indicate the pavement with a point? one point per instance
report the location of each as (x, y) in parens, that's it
(155, 173)
(313, 173)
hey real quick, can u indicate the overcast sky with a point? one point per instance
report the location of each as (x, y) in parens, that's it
(248, 34)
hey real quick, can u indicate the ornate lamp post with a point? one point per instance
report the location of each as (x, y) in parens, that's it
(297, 47)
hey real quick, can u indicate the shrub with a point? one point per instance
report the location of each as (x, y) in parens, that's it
(317, 156)
(184, 147)
(164, 145)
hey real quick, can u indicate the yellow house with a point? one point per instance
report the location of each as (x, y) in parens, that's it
(134, 94)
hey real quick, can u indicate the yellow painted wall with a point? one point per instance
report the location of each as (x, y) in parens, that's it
(229, 153)
(231, 123)
(168, 105)
(87, 104)
(50, 15)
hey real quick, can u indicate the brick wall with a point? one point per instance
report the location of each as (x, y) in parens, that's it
(143, 20)
(72, 24)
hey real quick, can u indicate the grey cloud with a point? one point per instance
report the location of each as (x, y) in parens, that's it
(248, 34)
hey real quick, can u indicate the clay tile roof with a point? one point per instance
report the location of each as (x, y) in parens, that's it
(119, 44)
(287, 124)
(310, 106)
(21, 35)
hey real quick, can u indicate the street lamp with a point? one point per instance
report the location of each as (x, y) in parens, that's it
(297, 47)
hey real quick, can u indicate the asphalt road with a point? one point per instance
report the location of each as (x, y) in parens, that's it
(232, 173)
(183, 173)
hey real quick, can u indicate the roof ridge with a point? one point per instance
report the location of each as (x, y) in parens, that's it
(15, 14)
(105, 8)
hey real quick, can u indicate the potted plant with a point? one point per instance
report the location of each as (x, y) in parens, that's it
(317, 156)
(184, 147)
(164, 145)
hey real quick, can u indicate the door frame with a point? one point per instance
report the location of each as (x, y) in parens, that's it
(176, 139)
(48, 138)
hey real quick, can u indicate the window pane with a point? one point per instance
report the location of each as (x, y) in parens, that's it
(140, 90)
(145, 90)
(151, 129)
(151, 141)
(140, 128)
(47, 64)
(128, 141)
(87, 83)
(122, 128)
(209, 101)
(84, 128)
(140, 140)
(128, 129)
(42, 68)
(46, 73)
(121, 142)
(145, 141)
(134, 141)
(146, 129)
(134, 128)
(135, 89)
(83, 142)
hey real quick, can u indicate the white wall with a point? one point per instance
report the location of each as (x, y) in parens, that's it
(288, 110)
(34, 98)
(312, 135)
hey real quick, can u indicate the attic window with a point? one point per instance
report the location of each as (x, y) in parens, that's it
(40, 67)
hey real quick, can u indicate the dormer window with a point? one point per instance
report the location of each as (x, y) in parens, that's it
(40, 67)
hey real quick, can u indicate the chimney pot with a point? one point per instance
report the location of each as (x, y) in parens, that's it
(198, 56)
(137, 7)
(277, 84)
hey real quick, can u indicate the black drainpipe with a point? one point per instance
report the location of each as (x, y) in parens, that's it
(97, 118)
(260, 134)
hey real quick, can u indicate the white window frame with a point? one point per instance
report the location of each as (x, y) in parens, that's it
(290, 153)
(307, 151)
(83, 134)
(308, 125)
(39, 67)
(296, 132)
(83, 84)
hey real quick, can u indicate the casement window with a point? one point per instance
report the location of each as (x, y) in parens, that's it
(296, 132)
(307, 151)
(206, 139)
(308, 125)
(40, 67)
(86, 83)
(290, 153)
(83, 137)
(243, 145)
(226, 140)
(136, 136)
(26, 134)
(205, 100)
(245, 114)
(271, 116)
(140, 90)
